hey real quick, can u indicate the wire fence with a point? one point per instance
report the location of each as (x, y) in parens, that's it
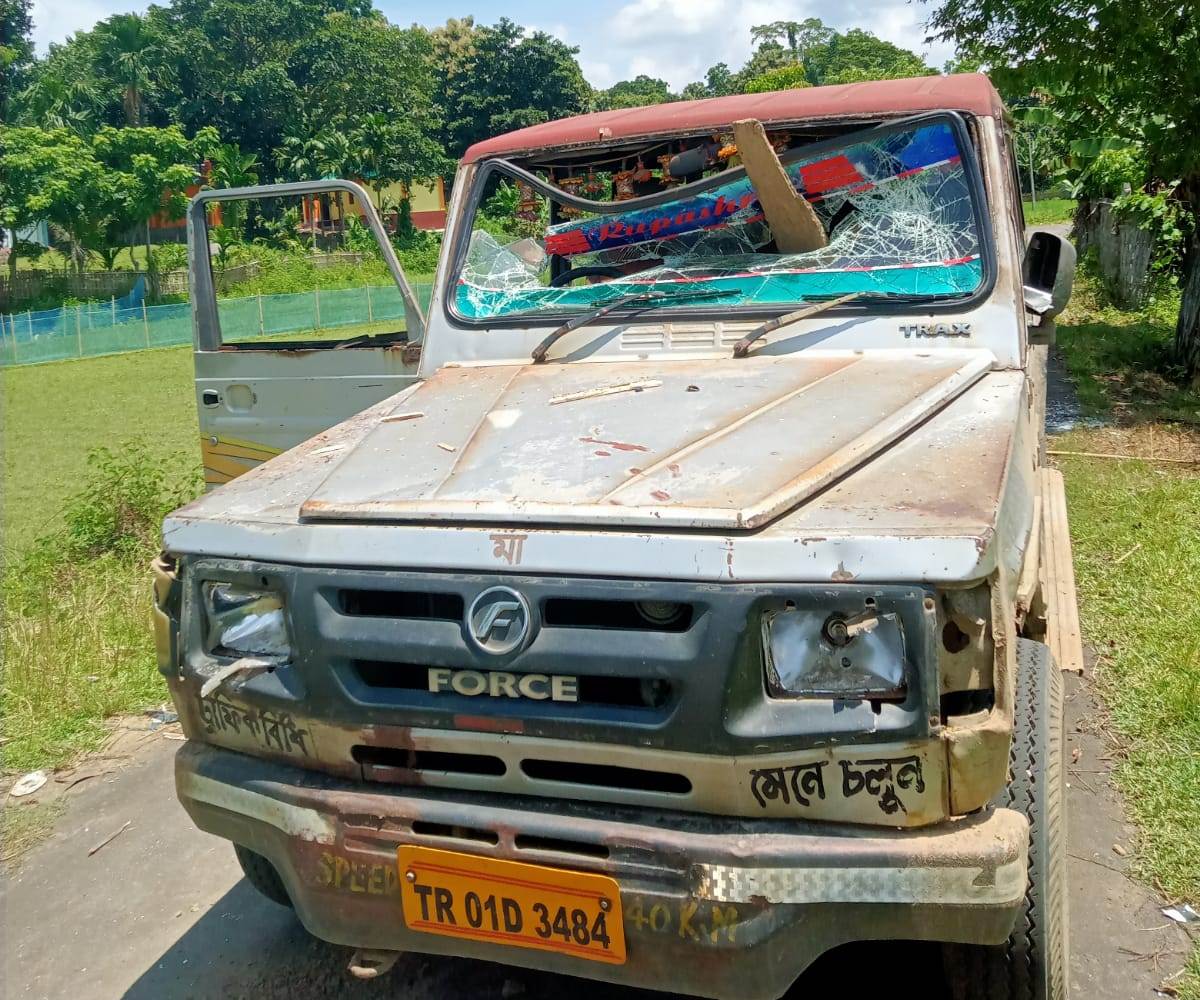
(92, 329)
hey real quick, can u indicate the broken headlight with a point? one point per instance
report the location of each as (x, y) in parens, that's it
(811, 654)
(242, 621)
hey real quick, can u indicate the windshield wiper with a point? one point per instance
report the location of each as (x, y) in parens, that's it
(742, 347)
(610, 305)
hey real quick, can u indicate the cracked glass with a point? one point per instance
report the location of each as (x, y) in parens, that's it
(897, 209)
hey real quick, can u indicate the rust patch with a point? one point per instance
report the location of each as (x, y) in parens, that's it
(616, 445)
(602, 453)
(673, 468)
(660, 495)
(841, 574)
(487, 724)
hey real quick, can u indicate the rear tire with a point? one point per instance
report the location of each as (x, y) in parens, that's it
(1032, 963)
(261, 874)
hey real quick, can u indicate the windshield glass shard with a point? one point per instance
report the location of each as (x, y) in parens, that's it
(896, 202)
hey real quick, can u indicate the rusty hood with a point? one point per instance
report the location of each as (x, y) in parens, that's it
(718, 444)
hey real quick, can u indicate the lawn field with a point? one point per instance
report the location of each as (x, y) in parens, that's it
(1046, 210)
(55, 413)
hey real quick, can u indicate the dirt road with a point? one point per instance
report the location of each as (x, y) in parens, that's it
(160, 913)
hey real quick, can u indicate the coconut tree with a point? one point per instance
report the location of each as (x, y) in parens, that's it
(128, 51)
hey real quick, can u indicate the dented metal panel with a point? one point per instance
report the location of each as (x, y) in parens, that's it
(928, 508)
(716, 445)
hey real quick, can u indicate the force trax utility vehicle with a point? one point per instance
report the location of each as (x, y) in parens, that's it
(678, 596)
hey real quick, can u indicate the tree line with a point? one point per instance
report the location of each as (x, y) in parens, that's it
(107, 128)
(1103, 91)
(1112, 84)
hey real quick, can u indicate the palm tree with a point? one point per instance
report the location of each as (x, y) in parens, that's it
(128, 50)
(57, 101)
(329, 153)
(231, 168)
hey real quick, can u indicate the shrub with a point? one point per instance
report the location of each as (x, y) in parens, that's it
(76, 639)
(119, 509)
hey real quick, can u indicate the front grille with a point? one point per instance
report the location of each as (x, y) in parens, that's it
(413, 604)
(626, 692)
(637, 616)
(686, 677)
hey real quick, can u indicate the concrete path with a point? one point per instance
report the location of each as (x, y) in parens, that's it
(160, 913)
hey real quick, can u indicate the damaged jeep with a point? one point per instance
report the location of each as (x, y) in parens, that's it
(680, 595)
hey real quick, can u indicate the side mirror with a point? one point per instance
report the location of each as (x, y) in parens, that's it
(1048, 274)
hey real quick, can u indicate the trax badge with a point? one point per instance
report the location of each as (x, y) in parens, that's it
(498, 684)
(936, 329)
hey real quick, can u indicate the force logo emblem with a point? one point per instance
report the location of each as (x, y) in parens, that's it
(499, 621)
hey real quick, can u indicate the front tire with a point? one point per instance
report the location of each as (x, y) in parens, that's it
(261, 874)
(1032, 963)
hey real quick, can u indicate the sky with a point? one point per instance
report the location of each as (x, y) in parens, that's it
(675, 40)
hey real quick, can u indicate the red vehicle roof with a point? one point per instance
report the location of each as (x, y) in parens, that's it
(969, 92)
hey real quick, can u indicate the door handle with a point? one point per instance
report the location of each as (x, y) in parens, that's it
(210, 397)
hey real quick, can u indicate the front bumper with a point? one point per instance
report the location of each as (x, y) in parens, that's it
(713, 906)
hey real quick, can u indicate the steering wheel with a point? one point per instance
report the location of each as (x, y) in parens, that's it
(574, 273)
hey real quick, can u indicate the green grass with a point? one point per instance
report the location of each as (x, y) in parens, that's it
(78, 650)
(1047, 210)
(1137, 558)
(55, 413)
(52, 260)
(24, 825)
(1120, 361)
(76, 639)
(1139, 614)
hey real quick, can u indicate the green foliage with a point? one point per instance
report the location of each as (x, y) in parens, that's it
(130, 51)
(1122, 362)
(640, 91)
(16, 49)
(494, 78)
(169, 257)
(810, 53)
(53, 175)
(784, 78)
(802, 38)
(1112, 172)
(1125, 70)
(76, 607)
(858, 55)
(373, 83)
(119, 509)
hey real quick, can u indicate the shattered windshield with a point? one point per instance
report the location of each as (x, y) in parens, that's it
(894, 209)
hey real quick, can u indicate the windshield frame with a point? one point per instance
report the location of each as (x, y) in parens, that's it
(456, 259)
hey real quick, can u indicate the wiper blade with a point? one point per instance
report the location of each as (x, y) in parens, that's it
(742, 347)
(611, 305)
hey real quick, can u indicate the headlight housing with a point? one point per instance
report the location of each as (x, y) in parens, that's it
(813, 654)
(243, 621)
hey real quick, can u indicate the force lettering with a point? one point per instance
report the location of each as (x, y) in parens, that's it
(498, 684)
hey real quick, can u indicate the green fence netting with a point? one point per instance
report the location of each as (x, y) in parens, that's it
(91, 329)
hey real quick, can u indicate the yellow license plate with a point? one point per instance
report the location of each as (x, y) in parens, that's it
(507, 902)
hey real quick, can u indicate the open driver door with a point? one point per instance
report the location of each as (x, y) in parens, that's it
(260, 392)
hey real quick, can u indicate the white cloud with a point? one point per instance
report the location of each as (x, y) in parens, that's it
(679, 41)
